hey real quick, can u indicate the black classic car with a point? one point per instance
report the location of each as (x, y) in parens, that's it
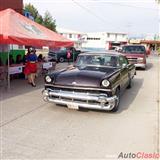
(95, 81)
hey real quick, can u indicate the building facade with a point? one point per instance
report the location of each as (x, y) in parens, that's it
(104, 40)
(75, 36)
(17, 5)
(98, 40)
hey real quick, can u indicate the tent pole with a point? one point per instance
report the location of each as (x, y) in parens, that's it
(8, 76)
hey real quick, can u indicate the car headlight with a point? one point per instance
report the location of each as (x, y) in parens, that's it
(105, 83)
(48, 79)
(140, 59)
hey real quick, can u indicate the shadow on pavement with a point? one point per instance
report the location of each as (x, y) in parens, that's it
(148, 67)
(19, 87)
(126, 98)
(130, 94)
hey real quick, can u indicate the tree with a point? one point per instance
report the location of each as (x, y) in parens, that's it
(30, 8)
(47, 21)
(39, 19)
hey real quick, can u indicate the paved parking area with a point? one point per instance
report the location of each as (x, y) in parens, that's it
(34, 129)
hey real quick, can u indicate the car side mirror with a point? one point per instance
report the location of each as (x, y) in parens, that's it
(124, 65)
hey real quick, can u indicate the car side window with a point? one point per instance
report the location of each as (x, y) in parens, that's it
(123, 60)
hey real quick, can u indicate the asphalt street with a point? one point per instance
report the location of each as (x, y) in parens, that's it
(34, 129)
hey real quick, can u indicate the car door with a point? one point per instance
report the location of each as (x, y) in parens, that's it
(124, 71)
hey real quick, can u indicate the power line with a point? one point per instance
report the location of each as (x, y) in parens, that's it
(93, 14)
(120, 4)
(139, 7)
(88, 10)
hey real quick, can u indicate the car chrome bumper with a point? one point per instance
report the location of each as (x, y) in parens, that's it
(141, 65)
(78, 99)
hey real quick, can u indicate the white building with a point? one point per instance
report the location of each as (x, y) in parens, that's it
(75, 36)
(104, 40)
(98, 40)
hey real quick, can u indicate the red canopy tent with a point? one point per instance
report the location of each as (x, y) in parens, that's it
(17, 29)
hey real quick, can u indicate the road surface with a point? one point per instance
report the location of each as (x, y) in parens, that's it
(34, 129)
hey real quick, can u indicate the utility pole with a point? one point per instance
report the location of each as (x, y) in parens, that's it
(129, 25)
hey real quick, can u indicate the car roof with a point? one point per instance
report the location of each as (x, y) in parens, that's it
(111, 53)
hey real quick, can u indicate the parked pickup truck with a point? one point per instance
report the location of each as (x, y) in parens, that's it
(136, 55)
(60, 54)
(95, 81)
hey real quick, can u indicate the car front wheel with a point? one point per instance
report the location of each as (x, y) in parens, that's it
(130, 83)
(116, 107)
(61, 59)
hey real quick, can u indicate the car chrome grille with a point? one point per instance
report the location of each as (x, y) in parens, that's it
(77, 100)
(132, 60)
(93, 91)
(78, 93)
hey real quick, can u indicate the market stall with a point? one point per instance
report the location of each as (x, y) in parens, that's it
(17, 29)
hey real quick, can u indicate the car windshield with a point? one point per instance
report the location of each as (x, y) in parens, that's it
(133, 49)
(97, 60)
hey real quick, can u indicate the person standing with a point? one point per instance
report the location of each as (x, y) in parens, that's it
(31, 66)
(19, 59)
(11, 60)
(68, 55)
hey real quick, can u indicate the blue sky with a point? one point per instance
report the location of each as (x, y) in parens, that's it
(138, 17)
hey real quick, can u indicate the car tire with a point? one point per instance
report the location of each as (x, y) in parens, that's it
(116, 107)
(144, 68)
(61, 59)
(130, 83)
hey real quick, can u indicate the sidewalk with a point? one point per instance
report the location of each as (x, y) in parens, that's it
(20, 94)
(20, 86)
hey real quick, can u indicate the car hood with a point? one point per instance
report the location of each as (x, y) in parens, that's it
(86, 76)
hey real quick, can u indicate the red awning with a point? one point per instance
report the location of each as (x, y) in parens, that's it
(17, 29)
